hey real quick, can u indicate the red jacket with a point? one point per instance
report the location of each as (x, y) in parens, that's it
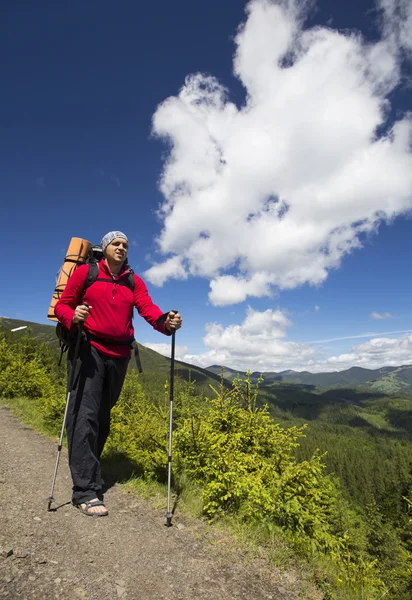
(111, 309)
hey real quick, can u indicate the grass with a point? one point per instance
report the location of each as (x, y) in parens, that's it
(27, 411)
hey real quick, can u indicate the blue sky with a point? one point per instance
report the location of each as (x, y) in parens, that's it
(263, 174)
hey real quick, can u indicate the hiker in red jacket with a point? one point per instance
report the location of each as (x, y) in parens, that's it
(106, 308)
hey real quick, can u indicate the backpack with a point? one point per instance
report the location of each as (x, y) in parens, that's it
(67, 338)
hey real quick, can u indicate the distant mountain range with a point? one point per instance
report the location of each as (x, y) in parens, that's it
(387, 380)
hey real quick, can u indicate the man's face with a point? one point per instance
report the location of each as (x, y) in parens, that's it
(116, 251)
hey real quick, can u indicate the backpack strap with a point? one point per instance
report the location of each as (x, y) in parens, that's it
(94, 276)
(135, 348)
(130, 279)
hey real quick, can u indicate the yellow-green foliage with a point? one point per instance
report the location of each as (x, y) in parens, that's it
(244, 463)
(22, 375)
(52, 406)
(29, 369)
(138, 428)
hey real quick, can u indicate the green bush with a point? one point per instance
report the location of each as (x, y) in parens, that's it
(22, 374)
(29, 370)
(25, 378)
(138, 428)
(244, 463)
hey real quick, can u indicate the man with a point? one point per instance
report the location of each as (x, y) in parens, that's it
(106, 309)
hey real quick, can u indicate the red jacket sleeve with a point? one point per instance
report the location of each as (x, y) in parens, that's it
(71, 297)
(145, 306)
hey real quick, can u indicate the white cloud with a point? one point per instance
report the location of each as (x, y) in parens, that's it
(379, 316)
(232, 290)
(275, 193)
(360, 335)
(171, 268)
(259, 344)
(317, 308)
(165, 350)
(390, 352)
(397, 22)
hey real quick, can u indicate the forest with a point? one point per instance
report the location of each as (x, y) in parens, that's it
(325, 473)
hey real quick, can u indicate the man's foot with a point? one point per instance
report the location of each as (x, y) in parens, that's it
(93, 508)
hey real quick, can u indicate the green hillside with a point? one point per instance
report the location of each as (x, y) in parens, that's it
(388, 380)
(152, 362)
(44, 333)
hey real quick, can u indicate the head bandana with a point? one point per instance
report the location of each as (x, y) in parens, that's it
(109, 237)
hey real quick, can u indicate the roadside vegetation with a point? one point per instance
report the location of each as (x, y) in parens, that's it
(332, 496)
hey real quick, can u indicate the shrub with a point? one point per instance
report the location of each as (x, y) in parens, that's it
(245, 465)
(21, 377)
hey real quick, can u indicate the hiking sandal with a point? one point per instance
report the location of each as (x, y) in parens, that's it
(91, 504)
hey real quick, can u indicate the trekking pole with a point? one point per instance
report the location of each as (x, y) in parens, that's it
(69, 390)
(169, 513)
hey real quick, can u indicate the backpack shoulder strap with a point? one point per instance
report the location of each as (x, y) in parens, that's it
(92, 276)
(130, 279)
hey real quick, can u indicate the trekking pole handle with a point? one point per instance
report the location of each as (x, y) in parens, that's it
(174, 311)
(81, 323)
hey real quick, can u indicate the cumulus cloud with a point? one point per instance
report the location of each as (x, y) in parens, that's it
(378, 352)
(379, 316)
(259, 344)
(170, 268)
(164, 349)
(273, 194)
(397, 22)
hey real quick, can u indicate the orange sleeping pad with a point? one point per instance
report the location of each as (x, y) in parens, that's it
(77, 254)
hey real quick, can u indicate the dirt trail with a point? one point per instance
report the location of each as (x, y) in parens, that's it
(131, 555)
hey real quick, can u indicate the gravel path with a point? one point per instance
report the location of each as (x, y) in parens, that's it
(130, 554)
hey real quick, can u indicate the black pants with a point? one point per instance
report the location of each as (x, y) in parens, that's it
(97, 386)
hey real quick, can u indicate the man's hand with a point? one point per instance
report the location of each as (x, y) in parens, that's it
(81, 312)
(173, 321)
